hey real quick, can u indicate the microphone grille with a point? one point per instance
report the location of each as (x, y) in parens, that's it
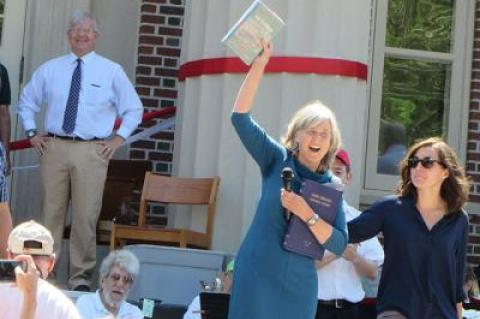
(287, 173)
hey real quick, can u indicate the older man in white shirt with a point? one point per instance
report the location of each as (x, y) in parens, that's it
(339, 279)
(117, 273)
(84, 92)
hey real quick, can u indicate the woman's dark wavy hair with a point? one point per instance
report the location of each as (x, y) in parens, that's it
(455, 187)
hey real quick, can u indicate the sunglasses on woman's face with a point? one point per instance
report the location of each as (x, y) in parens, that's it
(427, 162)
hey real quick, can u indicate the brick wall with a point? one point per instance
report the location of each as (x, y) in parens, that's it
(473, 148)
(159, 43)
(160, 35)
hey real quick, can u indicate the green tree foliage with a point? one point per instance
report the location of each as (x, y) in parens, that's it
(415, 94)
(415, 91)
(420, 24)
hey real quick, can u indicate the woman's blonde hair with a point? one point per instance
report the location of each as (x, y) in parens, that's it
(312, 114)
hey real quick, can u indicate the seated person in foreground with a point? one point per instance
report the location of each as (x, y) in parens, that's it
(117, 273)
(194, 310)
(33, 297)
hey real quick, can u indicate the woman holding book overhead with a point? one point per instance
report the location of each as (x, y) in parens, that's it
(270, 282)
(425, 234)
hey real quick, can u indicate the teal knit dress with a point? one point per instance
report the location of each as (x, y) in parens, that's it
(270, 282)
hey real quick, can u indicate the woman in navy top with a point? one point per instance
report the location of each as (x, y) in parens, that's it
(270, 282)
(425, 235)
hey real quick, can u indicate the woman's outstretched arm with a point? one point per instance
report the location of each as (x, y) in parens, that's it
(248, 90)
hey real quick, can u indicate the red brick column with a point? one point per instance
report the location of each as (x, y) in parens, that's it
(473, 148)
(160, 36)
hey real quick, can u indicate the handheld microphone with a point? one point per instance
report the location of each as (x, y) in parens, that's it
(287, 179)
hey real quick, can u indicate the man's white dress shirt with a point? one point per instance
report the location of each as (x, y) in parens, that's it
(106, 92)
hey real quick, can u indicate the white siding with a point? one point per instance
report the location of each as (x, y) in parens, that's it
(205, 143)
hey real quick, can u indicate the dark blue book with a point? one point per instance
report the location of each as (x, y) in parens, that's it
(324, 199)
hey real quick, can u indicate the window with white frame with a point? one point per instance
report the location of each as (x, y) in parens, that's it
(419, 82)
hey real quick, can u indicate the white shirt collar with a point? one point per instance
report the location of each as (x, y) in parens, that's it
(85, 59)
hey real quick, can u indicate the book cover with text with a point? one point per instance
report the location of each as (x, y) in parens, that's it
(324, 200)
(257, 23)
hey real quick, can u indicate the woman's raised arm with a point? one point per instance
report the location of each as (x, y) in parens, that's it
(248, 90)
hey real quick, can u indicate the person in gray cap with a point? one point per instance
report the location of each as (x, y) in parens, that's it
(31, 238)
(32, 242)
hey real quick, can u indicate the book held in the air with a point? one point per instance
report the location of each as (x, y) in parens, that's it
(257, 23)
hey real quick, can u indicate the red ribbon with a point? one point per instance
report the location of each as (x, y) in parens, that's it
(305, 65)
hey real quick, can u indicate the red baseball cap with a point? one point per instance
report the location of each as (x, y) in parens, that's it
(342, 155)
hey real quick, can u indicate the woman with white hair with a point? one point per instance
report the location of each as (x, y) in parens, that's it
(117, 273)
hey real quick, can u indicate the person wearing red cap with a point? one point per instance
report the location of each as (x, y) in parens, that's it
(339, 278)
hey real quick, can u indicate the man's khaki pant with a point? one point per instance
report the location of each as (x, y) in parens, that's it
(73, 170)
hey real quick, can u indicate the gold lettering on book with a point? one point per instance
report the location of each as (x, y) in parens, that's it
(322, 200)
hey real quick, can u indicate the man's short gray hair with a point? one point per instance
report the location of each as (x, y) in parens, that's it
(80, 16)
(121, 258)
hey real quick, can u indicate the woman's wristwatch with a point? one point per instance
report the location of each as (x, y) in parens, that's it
(313, 220)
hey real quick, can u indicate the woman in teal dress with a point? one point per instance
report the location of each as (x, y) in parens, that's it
(270, 282)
